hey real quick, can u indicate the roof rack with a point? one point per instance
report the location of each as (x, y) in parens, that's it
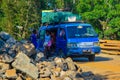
(73, 22)
(65, 22)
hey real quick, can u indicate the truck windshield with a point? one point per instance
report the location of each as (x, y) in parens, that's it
(80, 31)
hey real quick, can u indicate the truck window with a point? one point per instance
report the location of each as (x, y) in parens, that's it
(80, 31)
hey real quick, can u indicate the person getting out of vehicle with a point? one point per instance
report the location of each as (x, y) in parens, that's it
(47, 43)
(33, 38)
(41, 36)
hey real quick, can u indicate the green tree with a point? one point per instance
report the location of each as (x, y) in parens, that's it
(104, 14)
(23, 13)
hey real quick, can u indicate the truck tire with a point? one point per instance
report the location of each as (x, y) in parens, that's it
(91, 57)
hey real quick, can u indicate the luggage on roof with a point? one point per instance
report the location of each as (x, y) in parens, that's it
(50, 16)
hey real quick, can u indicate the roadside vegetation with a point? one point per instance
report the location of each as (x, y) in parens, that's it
(17, 17)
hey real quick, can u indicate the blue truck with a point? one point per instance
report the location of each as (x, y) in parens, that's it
(79, 39)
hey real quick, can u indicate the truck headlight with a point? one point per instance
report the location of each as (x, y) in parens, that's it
(71, 45)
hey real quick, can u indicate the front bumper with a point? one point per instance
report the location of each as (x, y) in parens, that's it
(83, 51)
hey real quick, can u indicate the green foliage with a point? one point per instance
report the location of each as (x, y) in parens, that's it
(103, 14)
(15, 13)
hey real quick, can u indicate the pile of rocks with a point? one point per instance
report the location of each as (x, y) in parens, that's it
(21, 68)
(59, 69)
(20, 61)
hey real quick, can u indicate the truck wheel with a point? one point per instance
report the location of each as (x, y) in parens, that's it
(91, 57)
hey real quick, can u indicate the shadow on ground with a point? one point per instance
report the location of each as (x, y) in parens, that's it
(99, 77)
(90, 76)
(109, 76)
(97, 59)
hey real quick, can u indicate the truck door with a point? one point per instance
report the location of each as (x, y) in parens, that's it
(61, 40)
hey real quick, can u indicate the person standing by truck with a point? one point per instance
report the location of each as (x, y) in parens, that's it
(33, 38)
(47, 43)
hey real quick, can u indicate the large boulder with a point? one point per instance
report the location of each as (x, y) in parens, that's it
(4, 36)
(11, 41)
(1, 43)
(22, 63)
(71, 64)
(27, 48)
(6, 58)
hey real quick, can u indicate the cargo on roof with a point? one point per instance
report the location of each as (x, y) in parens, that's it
(50, 16)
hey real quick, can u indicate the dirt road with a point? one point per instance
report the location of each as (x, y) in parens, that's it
(105, 66)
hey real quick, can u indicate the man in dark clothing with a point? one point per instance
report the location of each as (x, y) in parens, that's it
(34, 38)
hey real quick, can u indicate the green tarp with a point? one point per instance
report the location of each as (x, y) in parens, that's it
(60, 16)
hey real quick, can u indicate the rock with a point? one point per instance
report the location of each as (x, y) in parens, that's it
(4, 36)
(56, 72)
(45, 64)
(40, 57)
(71, 64)
(23, 41)
(62, 73)
(57, 69)
(3, 67)
(40, 66)
(11, 41)
(51, 58)
(71, 74)
(55, 78)
(30, 49)
(51, 65)
(11, 73)
(67, 78)
(80, 79)
(78, 75)
(19, 78)
(1, 44)
(28, 78)
(44, 79)
(79, 69)
(46, 73)
(87, 74)
(12, 53)
(6, 58)
(27, 48)
(58, 60)
(1, 78)
(64, 67)
(22, 63)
